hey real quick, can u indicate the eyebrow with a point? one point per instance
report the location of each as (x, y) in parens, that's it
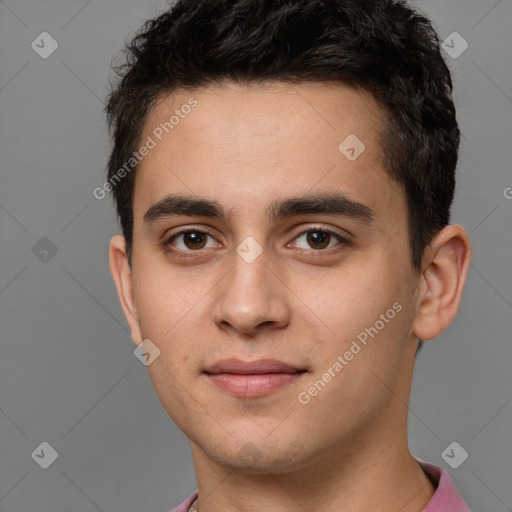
(328, 204)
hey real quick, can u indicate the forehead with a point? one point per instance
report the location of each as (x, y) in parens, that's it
(246, 144)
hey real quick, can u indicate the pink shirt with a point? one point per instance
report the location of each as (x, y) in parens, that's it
(445, 499)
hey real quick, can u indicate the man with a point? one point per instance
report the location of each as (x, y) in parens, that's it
(283, 173)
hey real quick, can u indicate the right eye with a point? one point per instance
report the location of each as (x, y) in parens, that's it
(189, 240)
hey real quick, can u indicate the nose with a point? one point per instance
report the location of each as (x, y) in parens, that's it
(252, 298)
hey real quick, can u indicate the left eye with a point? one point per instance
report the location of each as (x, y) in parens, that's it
(318, 239)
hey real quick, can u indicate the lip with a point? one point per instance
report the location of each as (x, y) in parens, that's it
(234, 365)
(252, 378)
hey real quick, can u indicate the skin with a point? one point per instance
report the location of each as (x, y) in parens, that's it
(246, 147)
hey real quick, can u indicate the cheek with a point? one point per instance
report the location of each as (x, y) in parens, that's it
(163, 302)
(173, 389)
(173, 314)
(369, 321)
(350, 301)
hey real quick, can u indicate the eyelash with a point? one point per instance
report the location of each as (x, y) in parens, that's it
(190, 253)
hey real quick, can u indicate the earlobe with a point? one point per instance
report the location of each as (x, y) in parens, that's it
(447, 265)
(122, 275)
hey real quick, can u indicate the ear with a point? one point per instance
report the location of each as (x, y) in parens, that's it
(446, 264)
(122, 274)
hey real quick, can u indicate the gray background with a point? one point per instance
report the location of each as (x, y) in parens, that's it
(68, 375)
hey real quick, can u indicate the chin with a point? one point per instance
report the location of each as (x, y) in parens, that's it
(258, 456)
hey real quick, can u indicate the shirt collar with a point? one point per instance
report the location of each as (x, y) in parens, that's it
(446, 498)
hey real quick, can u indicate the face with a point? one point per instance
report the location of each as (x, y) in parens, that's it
(281, 294)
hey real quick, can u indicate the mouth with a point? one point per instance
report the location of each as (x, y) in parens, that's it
(252, 378)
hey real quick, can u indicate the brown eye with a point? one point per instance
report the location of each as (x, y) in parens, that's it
(194, 239)
(318, 239)
(190, 240)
